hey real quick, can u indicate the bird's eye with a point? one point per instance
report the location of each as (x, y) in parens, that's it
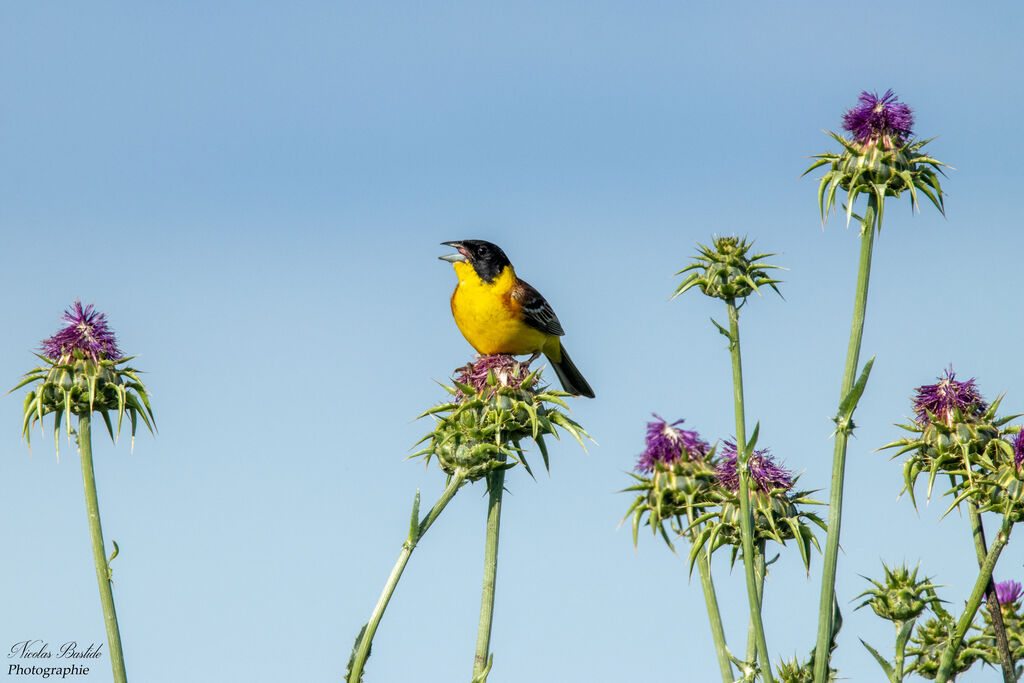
(483, 252)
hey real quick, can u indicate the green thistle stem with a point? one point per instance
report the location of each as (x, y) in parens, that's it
(835, 506)
(1005, 660)
(714, 615)
(92, 507)
(759, 571)
(900, 651)
(746, 519)
(362, 649)
(984, 577)
(482, 660)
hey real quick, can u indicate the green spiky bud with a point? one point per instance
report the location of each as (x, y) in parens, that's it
(900, 597)
(725, 270)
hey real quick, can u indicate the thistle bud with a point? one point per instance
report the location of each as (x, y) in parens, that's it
(725, 271)
(900, 597)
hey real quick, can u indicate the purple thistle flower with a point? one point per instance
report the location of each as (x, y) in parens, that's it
(667, 444)
(765, 475)
(507, 370)
(879, 118)
(1008, 592)
(1018, 449)
(86, 331)
(943, 399)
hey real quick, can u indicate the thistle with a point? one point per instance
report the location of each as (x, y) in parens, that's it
(725, 271)
(666, 444)
(956, 432)
(948, 398)
(496, 405)
(676, 472)
(85, 372)
(765, 475)
(1009, 592)
(881, 159)
(900, 597)
(776, 509)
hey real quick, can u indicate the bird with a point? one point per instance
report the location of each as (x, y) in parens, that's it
(498, 313)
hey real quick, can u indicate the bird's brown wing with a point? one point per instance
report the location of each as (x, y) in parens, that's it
(537, 312)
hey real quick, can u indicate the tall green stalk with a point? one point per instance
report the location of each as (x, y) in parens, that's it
(482, 660)
(978, 533)
(416, 531)
(984, 577)
(843, 430)
(92, 507)
(743, 470)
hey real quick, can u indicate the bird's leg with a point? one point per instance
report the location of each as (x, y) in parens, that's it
(532, 358)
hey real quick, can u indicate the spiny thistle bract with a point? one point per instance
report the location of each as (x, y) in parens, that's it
(725, 271)
(955, 432)
(84, 373)
(880, 159)
(900, 597)
(496, 405)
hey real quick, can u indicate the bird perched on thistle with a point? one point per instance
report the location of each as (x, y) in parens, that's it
(498, 313)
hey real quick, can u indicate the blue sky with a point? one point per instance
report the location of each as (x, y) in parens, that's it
(256, 194)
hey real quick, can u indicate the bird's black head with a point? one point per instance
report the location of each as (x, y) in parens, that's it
(488, 260)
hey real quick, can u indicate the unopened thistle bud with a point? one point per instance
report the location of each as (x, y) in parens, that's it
(900, 597)
(726, 271)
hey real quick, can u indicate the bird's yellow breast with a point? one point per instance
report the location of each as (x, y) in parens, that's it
(489, 318)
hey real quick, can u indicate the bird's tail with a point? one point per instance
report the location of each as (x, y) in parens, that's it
(570, 377)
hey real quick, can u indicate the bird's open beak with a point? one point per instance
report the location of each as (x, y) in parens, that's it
(456, 257)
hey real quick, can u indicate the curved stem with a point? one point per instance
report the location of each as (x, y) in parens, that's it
(481, 662)
(362, 649)
(1003, 647)
(835, 507)
(746, 519)
(984, 576)
(92, 507)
